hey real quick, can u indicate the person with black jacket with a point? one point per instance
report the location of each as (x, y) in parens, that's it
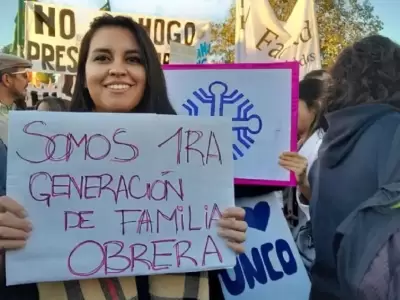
(358, 157)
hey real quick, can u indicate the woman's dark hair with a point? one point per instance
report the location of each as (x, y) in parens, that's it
(320, 74)
(312, 92)
(155, 97)
(54, 103)
(366, 72)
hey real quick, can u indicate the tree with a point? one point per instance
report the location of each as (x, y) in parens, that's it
(223, 37)
(340, 23)
(7, 49)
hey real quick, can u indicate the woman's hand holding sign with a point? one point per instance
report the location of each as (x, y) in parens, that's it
(292, 161)
(298, 164)
(14, 227)
(233, 228)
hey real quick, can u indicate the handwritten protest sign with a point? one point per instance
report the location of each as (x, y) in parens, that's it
(271, 264)
(118, 194)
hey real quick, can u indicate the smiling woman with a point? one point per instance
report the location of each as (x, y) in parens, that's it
(120, 65)
(118, 71)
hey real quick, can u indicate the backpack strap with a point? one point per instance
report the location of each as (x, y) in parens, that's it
(359, 237)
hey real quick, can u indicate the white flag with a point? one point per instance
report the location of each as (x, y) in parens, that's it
(266, 39)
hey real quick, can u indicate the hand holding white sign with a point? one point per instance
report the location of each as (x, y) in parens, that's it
(14, 227)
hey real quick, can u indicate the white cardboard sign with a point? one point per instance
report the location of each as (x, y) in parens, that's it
(113, 195)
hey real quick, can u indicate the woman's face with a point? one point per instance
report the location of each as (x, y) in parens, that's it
(115, 76)
(306, 117)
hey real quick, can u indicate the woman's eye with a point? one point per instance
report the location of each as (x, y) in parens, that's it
(101, 58)
(134, 60)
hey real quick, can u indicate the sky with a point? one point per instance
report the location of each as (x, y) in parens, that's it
(215, 10)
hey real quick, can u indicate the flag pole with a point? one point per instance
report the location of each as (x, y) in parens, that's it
(21, 50)
(242, 20)
(17, 28)
(239, 40)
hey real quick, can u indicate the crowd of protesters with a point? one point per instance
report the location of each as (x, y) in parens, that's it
(343, 213)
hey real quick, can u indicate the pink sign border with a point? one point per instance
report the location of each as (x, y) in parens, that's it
(294, 67)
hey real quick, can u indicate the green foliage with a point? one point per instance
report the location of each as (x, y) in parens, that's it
(7, 49)
(340, 23)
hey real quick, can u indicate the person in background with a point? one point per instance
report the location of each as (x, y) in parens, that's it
(310, 136)
(293, 213)
(51, 104)
(118, 71)
(325, 78)
(13, 83)
(68, 84)
(355, 179)
(34, 98)
(20, 103)
(14, 79)
(309, 140)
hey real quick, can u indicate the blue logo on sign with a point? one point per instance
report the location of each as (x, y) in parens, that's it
(219, 102)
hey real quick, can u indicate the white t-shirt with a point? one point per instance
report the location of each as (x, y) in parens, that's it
(310, 151)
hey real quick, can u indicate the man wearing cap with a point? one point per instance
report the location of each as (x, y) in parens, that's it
(14, 79)
(13, 84)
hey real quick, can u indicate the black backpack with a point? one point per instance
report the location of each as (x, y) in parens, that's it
(367, 247)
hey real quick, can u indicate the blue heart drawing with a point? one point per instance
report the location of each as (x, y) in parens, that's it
(258, 217)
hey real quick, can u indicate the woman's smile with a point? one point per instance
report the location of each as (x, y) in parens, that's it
(118, 87)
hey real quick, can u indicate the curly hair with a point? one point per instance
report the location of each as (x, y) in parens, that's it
(366, 72)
